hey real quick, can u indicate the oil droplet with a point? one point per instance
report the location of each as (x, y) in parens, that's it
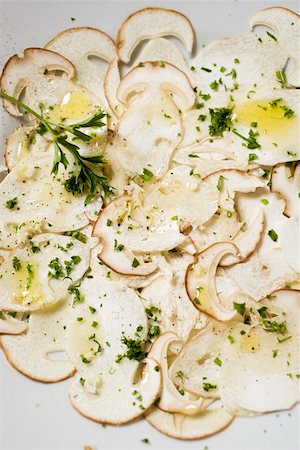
(22, 150)
(269, 115)
(250, 343)
(75, 105)
(25, 285)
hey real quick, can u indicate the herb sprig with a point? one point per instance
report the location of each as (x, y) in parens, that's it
(84, 177)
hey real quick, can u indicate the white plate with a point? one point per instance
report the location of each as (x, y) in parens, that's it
(37, 416)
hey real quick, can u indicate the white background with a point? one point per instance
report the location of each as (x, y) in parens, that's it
(37, 416)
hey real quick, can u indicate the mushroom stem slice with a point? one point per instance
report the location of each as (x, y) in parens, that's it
(9, 325)
(287, 184)
(152, 23)
(200, 281)
(154, 74)
(171, 400)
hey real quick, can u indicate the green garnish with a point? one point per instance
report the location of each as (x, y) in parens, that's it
(78, 297)
(240, 308)
(281, 78)
(146, 175)
(274, 327)
(251, 139)
(154, 331)
(273, 235)
(134, 350)
(221, 120)
(16, 264)
(208, 386)
(264, 201)
(271, 36)
(220, 183)
(135, 263)
(263, 311)
(84, 177)
(218, 362)
(10, 204)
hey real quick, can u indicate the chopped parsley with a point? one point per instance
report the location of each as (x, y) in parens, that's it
(146, 175)
(273, 235)
(134, 350)
(251, 139)
(135, 263)
(220, 183)
(240, 308)
(221, 120)
(154, 331)
(271, 36)
(78, 297)
(218, 362)
(281, 78)
(16, 264)
(208, 386)
(10, 204)
(118, 247)
(274, 327)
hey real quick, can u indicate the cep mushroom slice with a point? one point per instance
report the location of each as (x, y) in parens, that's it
(259, 276)
(80, 45)
(200, 281)
(203, 424)
(21, 143)
(10, 325)
(228, 182)
(39, 353)
(286, 26)
(170, 399)
(259, 370)
(111, 82)
(151, 23)
(114, 254)
(48, 205)
(286, 182)
(109, 371)
(39, 274)
(157, 75)
(22, 71)
(161, 49)
(246, 240)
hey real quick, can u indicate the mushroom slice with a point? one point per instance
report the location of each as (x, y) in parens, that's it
(147, 133)
(10, 325)
(106, 345)
(228, 182)
(203, 424)
(22, 142)
(157, 75)
(151, 23)
(246, 240)
(219, 228)
(114, 253)
(286, 182)
(259, 276)
(39, 274)
(168, 305)
(170, 399)
(286, 26)
(200, 281)
(80, 45)
(254, 58)
(111, 82)
(161, 49)
(36, 63)
(289, 243)
(31, 179)
(259, 369)
(40, 352)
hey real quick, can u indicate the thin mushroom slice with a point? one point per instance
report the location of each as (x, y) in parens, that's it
(200, 281)
(113, 253)
(10, 325)
(39, 274)
(39, 353)
(286, 182)
(35, 64)
(238, 59)
(151, 23)
(228, 182)
(161, 49)
(109, 371)
(80, 45)
(170, 399)
(259, 369)
(21, 143)
(32, 179)
(286, 26)
(168, 305)
(203, 424)
(246, 240)
(111, 82)
(259, 276)
(156, 75)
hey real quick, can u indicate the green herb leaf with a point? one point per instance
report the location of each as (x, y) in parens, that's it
(273, 235)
